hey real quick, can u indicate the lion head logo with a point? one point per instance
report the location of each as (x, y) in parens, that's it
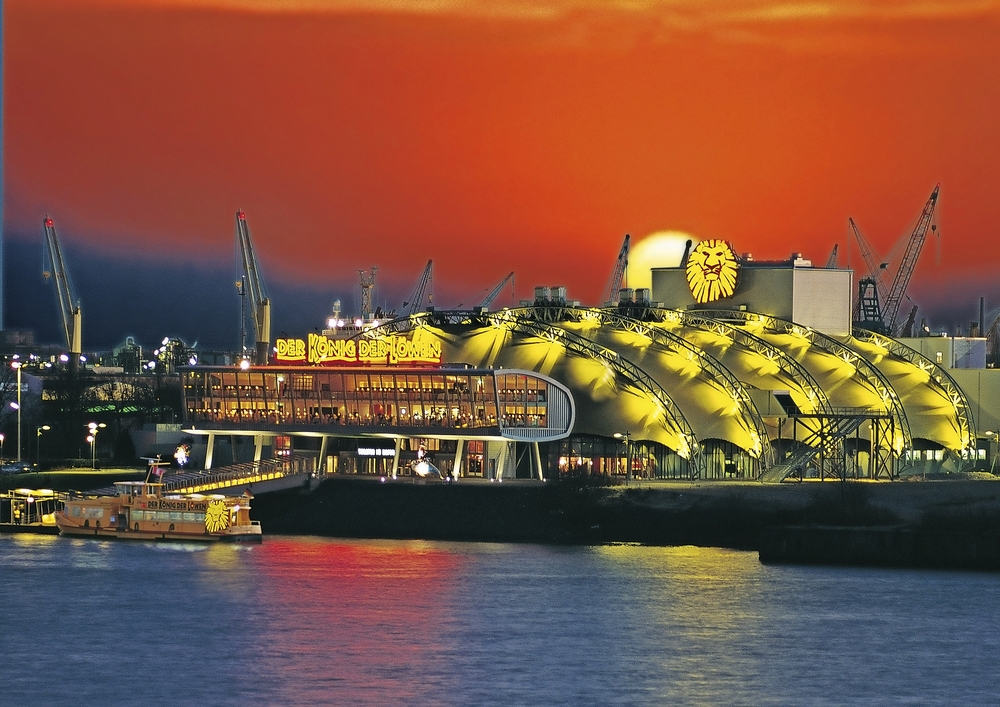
(712, 269)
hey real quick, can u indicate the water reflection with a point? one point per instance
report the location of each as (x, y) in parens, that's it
(357, 622)
(300, 621)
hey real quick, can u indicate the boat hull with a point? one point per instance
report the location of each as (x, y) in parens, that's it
(246, 535)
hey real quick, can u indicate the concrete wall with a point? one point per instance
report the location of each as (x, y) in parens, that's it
(821, 299)
(982, 388)
(814, 297)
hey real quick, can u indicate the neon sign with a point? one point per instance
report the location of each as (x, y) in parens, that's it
(318, 349)
(712, 271)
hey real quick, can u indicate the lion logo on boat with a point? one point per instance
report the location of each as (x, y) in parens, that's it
(216, 516)
(712, 270)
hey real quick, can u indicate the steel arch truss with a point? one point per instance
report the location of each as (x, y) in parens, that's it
(763, 452)
(888, 442)
(799, 373)
(515, 320)
(940, 376)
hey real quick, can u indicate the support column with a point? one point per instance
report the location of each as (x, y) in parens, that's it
(395, 457)
(502, 460)
(210, 451)
(538, 460)
(258, 448)
(321, 466)
(457, 466)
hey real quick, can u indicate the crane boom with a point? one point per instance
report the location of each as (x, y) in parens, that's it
(875, 267)
(417, 298)
(909, 262)
(488, 300)
(618, 276)
(69, 306)
(256, 291)
(831, 262)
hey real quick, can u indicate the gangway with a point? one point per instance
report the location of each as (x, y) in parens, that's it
(257, 477)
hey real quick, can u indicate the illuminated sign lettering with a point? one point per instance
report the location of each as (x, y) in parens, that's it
(322, 350)
(172, 505)
(291, 350)
(376, 452)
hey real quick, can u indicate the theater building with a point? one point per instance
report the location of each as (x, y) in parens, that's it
(708, 376)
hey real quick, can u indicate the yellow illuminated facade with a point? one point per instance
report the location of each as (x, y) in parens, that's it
(673, 394)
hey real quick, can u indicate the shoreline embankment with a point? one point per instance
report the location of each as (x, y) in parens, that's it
(943, 524)
(946, 524)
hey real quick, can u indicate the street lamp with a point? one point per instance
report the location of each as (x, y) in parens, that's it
(38, 441)
(627, 436)
(16, 365)
(94, 428)
(1, 446)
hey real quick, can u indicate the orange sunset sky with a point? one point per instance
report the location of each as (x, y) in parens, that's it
(495, 136)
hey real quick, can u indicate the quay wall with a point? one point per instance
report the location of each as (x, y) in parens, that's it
(917, 524)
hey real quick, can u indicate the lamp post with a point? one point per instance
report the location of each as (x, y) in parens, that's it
(38, 441)
(991, 437)
(1, 446)
(94, 428)
(627, 436)
(17, 367)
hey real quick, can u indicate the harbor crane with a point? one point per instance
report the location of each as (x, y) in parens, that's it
(877, 309)
(69, 305)
(618, 276)
(252, 286)
(417, 297)
(905, 272)
(831, 262)
(367, 285)
(488, 300)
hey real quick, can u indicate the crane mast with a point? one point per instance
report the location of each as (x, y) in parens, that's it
(417, 298)
(488, 300)
(69, 306)
(254, 289)
(909, 262)
(367, 285)
(618, 276)
(875, 267)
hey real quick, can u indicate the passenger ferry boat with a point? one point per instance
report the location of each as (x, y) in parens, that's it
(140, 510)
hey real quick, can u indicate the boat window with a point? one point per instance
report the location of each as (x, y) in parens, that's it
(138, 515)
(174, 515)
(190, 517)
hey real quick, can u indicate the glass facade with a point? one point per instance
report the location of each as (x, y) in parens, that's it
(421, 398)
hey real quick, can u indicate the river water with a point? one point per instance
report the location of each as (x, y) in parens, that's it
(308, 621)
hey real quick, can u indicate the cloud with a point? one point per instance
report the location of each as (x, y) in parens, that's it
(684, 12)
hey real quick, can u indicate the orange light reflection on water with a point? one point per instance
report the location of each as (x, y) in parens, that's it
(354, 621)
